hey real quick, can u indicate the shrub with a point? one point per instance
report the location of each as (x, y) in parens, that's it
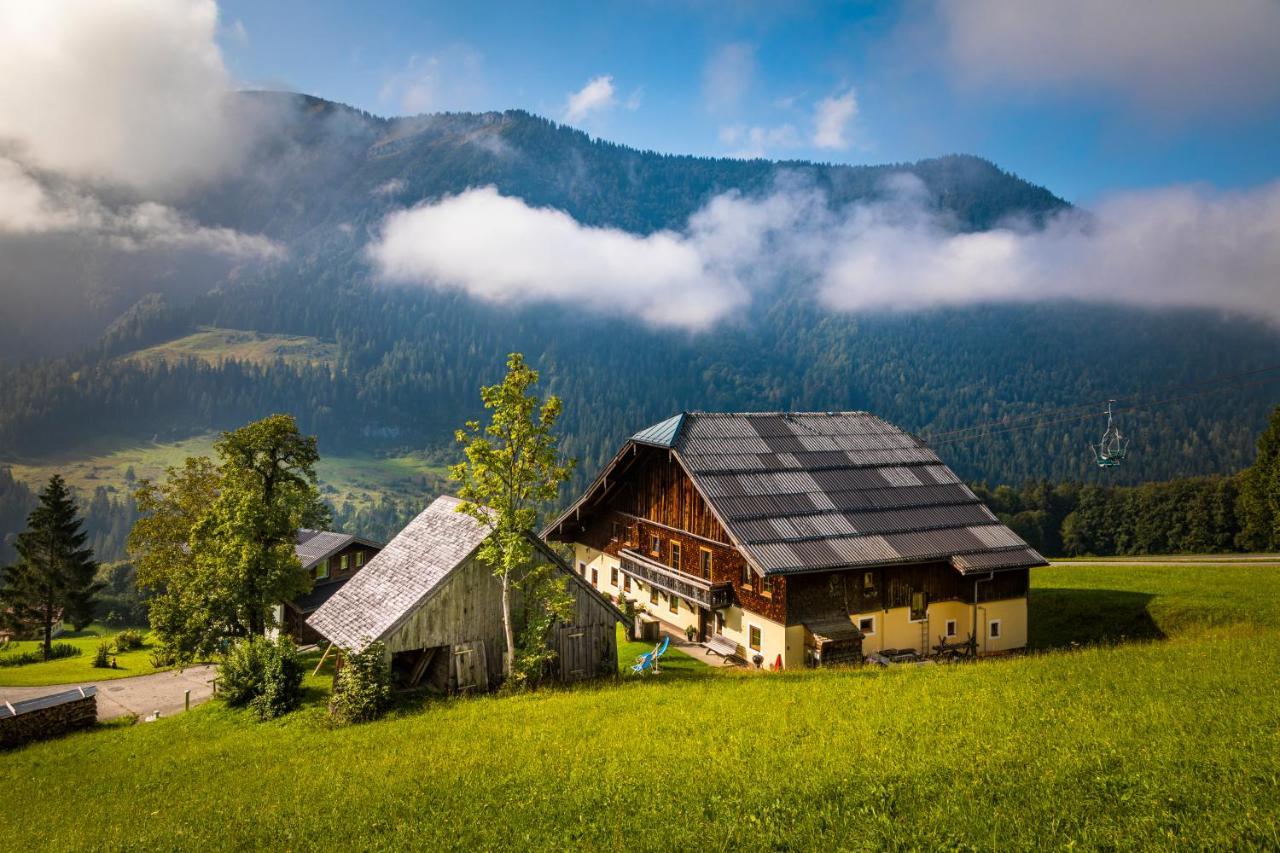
(163, 657)
(128, 639)
(36, 655)
(363, 688)
(263, 674)
(102, 657)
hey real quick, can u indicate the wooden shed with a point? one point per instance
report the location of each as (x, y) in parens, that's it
(438, 610)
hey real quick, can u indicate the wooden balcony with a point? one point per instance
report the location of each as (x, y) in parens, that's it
(713, 596)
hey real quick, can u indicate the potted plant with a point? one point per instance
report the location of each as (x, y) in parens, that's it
(690, 632)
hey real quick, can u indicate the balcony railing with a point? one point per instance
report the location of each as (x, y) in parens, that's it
(713, 596)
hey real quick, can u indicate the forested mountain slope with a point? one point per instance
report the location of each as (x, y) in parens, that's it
(409, 361)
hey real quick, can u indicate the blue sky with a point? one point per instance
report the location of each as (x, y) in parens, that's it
(1086, 109)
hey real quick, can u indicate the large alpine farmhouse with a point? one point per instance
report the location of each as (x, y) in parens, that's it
(803, 538)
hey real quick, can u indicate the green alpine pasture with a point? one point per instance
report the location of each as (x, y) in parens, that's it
(214, 346)
(1169, 739)
(78, 669)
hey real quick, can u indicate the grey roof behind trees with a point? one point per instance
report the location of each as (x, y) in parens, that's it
(401, 577)
(808, 491)
(312, 546)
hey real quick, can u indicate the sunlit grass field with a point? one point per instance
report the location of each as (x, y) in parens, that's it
(214, 346)
(80, 669)
(1169, 743)
(361, 479)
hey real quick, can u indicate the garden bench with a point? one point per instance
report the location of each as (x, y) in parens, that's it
(722, 646)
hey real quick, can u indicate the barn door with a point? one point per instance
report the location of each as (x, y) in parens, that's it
(583, 651)
(470, 667)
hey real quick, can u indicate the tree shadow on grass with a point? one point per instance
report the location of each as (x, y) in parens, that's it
(1063, 618)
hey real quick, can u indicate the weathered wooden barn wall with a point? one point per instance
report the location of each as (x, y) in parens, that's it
(465, 608)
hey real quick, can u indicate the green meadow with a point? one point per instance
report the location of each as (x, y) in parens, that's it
(78, 669)
(1162, 732)
(214, 345)
(361, 479)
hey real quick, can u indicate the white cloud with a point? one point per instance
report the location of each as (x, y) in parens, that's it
(130, 93)
(728, 76)
(27, 207)
(635, 98)
(597, 95)
(1178, 57)
(1174, 247)
(391, 187)
(749, 143)
(831, 120)
(450, 79)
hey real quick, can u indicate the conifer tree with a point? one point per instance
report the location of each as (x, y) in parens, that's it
(55, 571)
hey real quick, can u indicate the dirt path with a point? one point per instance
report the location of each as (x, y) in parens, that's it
(143, 695)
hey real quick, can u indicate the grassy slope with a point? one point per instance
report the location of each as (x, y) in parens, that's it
(76, 670)
(1171, 744)
(214, 346)
(361, 479)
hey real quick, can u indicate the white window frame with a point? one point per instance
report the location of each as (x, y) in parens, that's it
(864, 631)
(999, 634)
(952, 627)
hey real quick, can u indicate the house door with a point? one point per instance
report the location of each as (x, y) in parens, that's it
(704, 625)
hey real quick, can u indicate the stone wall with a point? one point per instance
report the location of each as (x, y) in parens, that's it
(47, 716)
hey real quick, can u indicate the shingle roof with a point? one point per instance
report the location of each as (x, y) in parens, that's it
(400, 578)
(314, 545)
(805, 491)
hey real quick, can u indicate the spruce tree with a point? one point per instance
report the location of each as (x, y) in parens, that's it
(55, 571)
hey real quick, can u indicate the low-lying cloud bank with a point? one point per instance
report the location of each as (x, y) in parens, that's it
(1184, 246)
(108, 113)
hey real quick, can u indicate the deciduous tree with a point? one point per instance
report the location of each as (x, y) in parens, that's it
(513, 470)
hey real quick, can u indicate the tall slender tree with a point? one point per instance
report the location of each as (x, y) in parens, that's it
(55, 571)
(513, 470)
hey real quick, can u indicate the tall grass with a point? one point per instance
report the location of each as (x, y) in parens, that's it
(1172, 744)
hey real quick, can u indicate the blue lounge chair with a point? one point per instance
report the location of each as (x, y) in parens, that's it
(649, 660)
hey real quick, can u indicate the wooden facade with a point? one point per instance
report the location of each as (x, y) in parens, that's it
(327, 575)
(650, 536)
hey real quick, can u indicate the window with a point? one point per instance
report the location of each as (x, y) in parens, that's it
(617, 531)
(359, 559)
(867, 625)
(719, 623)
(655, 545)
(613, 576)
(653, 594)
(868, 580)
(705, 557)
(626, 583)
(753, 637)
(595, 577)
(993, 630)
(582, 569)
(951, 627)
(767, 591)
(919, 605)
(675, 555)
(321, 570)
(745, 580)
(673, 603)
(344, 562)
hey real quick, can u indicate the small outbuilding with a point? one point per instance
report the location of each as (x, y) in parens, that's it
(438, 609)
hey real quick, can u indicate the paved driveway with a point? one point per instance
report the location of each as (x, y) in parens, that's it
(142, 695)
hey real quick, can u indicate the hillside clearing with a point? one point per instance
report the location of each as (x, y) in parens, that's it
(1174, 742)
(214, 346)
(361, 479)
